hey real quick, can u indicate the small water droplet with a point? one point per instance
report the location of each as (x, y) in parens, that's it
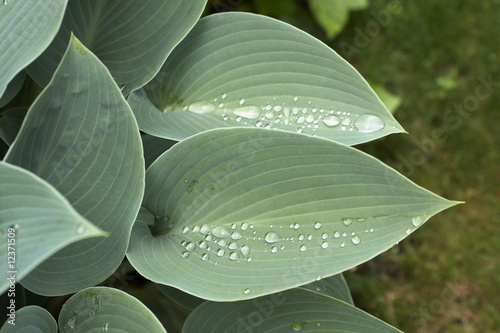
(236, 235)
(202, 244)
(247, 291)
(324, 236)
(369, 123)
(190, 246)
(72, 321)
(272, 237)
(224, 96)
(346, 121)
(301, 120)
(296, 226)
(324, 245)
(301, 237)
(220, 232)
(201, 107)
(344, 234)
(209, 238)
(417, 220)
(317, 225)
(233, 246)
(310, 118)
(342, 244)
(356, 240)
(196, 229)
(309, 237)
(296, 98)
(233, 256)
(297, 327)
(277, 108)
(408, 231)
(245, 250)
(242, 101)
(220, 252)
(205, 257)
(347, 221)
(205, 229)
(185, 254)
(186, 229)
(105, 327)
(300, 130)
(303, 248)
(80, 229)
(274, 249)
(336, 234)
(249, 112)
(222, 242)
(318, 278)
(244, 226)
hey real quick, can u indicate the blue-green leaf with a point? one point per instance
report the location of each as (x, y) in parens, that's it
(30, 319)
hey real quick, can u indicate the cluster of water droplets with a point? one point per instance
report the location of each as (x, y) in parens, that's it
(93, 304)
(300, 115)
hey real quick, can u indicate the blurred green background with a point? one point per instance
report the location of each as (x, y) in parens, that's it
(441, 61)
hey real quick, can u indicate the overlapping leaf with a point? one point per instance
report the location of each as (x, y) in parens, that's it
(12, 88)
(35, 222)
(296, 310)
(105, 309)
(240, 69)
(26, 29)
(31, 319)
(81, 136)
(242, 213)
(334, 286)
(10, 123)
(132, 38)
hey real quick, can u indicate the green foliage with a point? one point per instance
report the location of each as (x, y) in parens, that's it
(261, 194)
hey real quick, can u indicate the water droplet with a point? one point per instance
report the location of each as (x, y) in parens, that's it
(300, 130)
(233, 246)
(303, 248)
(277, 108)
(105, 327)
(342, 244)
(233, 256)
(244, 226)
(417, 220)
(222, 242)
(408, 231)
(220, 232)
(190, 246)
(201, 107)
(224, 96)
(318, 278)
(324, 245)
(356, 240)
(205, 257)
(296, 226)
(220, 252)
(209, 238)
(80, 229)
(72, 321)
(272, 237)
(296, 98)
(344, 234)
(186, 229)
(205, 229)
(309, 237)
(252, 226)
(247, 291)
(249, 259)
(249, 112)
(274, 249)
(301, 237)
(317, 225)
(369, 123)
(242, 101)
(236, 235)
(245, 250)
(196, 229)
(324, 236)
(347, 221)
(185, 254)
(301, 120)
(346, 121)
(297, 327)
(310, 118)
(336, 234)
(202, 244)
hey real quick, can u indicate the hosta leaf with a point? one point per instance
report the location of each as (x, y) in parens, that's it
(101, 309)
(242, 213)
(35, 222)
(81, 136)
(26, 29)
(31, 319)
(241, 69)
(183, 299)
(10, 123)
(12, 88)
(296, 310)
(333, 15)
(132, 38)
(334, 286)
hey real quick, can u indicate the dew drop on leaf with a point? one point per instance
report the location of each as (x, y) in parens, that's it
(249, 112)
(201, 107)
(369, 123)
(317, 225)
(220, 232)
(272, 237)
(356, 240)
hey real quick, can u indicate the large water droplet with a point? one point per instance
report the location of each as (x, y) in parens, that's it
(272, 237)
(417, 220)
(233, 246)
(331, 121)
(245, 250)
(369, 123)
(201, 107)
(249, 112)
(317, 225)
(356, 240)
(236, 235)
(220, 232)
(244, 226)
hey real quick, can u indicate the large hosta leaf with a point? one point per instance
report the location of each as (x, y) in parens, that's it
(132, 38)
(242, 213)
(81, 136)
(26, 29)
(296, 310)
(105, 309)
(31, 319)
(240, 69)
(35, 222)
